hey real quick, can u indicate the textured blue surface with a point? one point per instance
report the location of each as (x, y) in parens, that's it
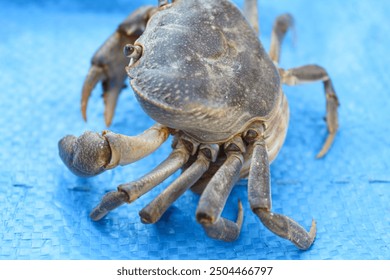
(45, 48)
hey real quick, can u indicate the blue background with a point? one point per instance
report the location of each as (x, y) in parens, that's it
(45, 49)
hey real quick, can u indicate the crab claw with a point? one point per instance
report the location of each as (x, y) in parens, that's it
(87, 155)
(94, 75)
(108, 63)
(105, 69)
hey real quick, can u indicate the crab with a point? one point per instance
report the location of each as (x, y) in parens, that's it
(199, 70)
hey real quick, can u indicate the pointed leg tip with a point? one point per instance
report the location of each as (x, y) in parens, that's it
(310, 237)
(321, 154)
(327, 145)
(313, 229)
(97, 214)
(240, 215)
(240, 208)
(239, 205)
(324, 150)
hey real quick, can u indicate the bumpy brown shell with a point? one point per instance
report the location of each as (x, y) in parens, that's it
(203, 70)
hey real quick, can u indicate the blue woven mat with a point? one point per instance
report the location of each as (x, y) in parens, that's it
(45, 49)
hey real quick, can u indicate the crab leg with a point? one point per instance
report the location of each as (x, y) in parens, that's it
(129, 192)
(155, 209)
(92, 153)
(224, 229)
(202, 183)
(313, 73)
(251, 13)
(108, 63)
(281, 25)
(259, 193)
(214, 197)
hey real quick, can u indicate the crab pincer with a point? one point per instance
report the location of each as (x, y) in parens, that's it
(92, 153)
(108, 63)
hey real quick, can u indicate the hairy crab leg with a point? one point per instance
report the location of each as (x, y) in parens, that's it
(251, 14)
(108, 63)
(129, 192)
(314, 73)
(281, 26)
(155, 209)
(214, 197)
(259, 193)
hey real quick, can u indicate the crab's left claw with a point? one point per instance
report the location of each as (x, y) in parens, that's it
(95, 75)
(108, 63)
(112, 84)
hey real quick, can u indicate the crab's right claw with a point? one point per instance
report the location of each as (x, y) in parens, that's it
(108, 63)
(87, 155)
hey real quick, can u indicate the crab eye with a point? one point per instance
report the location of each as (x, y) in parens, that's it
(132, 51)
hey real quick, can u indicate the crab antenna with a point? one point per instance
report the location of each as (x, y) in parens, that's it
(162, 2)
